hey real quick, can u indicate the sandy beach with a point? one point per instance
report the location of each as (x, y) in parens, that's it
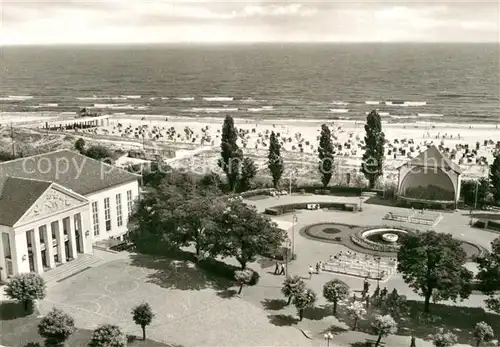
(299, 138)
(469, 145)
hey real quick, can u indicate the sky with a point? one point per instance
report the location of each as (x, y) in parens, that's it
(208, 21)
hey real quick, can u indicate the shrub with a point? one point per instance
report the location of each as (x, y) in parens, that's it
(108, 335)
(56, 327)
(26, 288)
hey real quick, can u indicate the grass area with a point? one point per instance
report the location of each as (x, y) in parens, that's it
(20, 329)
(459, 320)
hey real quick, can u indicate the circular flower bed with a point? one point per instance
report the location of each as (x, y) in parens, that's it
(331, 231)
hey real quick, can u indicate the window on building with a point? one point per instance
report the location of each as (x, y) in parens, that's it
(107, 214)
(119, 216)
(95, 218)
(130, 202)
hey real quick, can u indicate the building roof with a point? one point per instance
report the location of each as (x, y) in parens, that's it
(432, 157)
(17, 196)
(69, 169)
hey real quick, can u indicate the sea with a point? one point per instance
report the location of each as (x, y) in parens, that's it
(454, 83)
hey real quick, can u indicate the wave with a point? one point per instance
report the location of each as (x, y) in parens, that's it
(339, 110)
(413, 116)
(16, 98)
(373, 102)
(447, 94)
(429, 115)
(49, 105)
(255, 109)
(94, 98)
(340, 103)
(267, 107)
(189, 98)
(120, 107)
(218, 98)
(211, 109)
(132, 96)
(415, 103)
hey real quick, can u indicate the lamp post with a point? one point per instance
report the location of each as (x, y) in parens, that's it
(378, 272)
(361, 202)
(294, 220)
(328, 336)
(286, 257)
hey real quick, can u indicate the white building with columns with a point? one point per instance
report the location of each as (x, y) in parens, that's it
(54, 206)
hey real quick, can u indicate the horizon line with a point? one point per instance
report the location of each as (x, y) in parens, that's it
(237, 43)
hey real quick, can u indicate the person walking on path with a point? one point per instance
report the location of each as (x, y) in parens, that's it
(318, 265)
(277, 268)
(311, 270)
(282, 272)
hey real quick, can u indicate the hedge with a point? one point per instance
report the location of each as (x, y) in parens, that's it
(281, 209)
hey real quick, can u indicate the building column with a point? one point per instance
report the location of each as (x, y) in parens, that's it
(72, 238)
(61, 250)
(3, 269)
(36, 250)
(13, 254)
(49, 246)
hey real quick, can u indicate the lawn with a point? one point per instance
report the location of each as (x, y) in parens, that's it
(19, 329)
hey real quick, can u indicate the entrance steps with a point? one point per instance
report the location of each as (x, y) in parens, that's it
(70, 268)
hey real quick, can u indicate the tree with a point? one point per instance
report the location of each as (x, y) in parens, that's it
(275, 161)
(444, 339)
(231, 155)
(471, 187)
(483, 333)
(356, 311)
(495, 178)
(143, 316)
(335, 291)
(193, 217)
(108, 335)
(178, 211)
(394, 305)
(292, 286)
(383, 326)
(99, 153)
(303, 300)
(26, 288)
(80, 145)
(56, 327)
(325, 154)
(243, 233)
(243, 277)
(248, 172)
(489, 275)
(6, 156)
(373, 158)
(430, 261)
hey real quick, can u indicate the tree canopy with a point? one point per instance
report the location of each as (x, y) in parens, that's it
(373, 158)
(430, 261)
(231, 155)
(143, 316)
(243, 233)
(334, 291)
(292, 286)
(275, 161)
(325, 154)
(489, 275)
(495, 178)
